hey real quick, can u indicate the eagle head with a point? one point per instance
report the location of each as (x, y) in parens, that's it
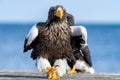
(57, 13)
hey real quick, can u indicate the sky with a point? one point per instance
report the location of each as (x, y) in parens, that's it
(103, 40)
(82, 10)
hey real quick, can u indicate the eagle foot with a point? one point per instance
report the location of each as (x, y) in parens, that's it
(52, 73)
(72, 71)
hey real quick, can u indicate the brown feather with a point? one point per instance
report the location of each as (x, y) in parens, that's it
(55, 42)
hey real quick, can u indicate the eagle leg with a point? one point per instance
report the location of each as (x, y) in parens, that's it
(52, 73)
(72, 71)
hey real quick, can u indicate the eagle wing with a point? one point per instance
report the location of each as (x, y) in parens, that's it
(79, 31)
(79, 41)
(30, 38)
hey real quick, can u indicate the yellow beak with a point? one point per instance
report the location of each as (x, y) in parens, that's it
(59, 13)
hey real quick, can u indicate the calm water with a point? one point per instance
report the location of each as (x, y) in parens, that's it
(103, 41)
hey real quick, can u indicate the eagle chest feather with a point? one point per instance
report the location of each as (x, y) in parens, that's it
(56, 34)
(55, 41)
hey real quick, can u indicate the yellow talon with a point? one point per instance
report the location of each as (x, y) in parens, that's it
(71, 71)
(52, 73)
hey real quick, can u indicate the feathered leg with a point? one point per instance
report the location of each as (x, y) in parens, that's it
(42, 64)
(62, 65)
(83, 62)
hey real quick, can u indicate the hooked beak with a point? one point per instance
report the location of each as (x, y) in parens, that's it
(59, 13)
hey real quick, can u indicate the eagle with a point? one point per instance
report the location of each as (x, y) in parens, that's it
(80, 47)
(50, 41)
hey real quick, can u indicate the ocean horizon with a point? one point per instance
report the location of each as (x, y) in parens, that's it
(103, 41)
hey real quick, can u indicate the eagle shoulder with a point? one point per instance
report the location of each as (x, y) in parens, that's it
(79, 31)
(31, 36)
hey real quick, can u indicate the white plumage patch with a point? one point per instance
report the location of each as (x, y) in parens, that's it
(81, 65)
(79, 30)
(42, 64)
(91, 70)
(62, 66)
(33, 33)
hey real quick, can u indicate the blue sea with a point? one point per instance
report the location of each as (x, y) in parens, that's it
(103, 41)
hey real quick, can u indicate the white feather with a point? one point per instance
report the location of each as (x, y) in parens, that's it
(42, 64)
(81, 65)
(79, 30)
(33, 33)
(91, 70)
(62, 66)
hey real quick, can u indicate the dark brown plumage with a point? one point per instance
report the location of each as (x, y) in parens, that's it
(53, 40)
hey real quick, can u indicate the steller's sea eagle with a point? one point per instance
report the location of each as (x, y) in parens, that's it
(50, 41)
(80, 47)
